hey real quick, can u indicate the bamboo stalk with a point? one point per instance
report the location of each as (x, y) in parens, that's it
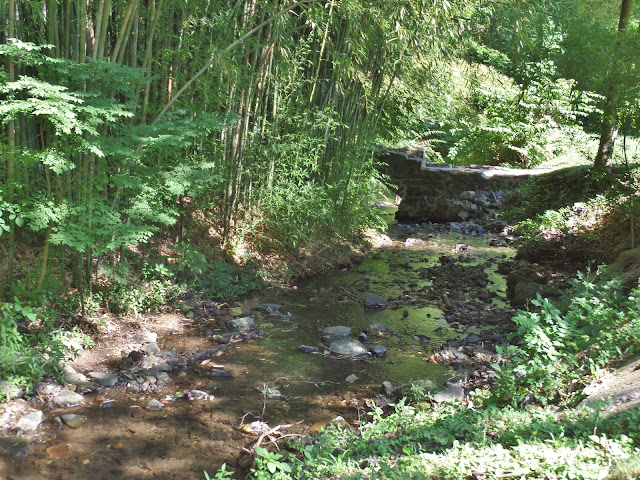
(11, 140)
(210, 60)
(124, 27)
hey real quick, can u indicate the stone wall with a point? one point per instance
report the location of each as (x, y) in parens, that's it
(438, 192)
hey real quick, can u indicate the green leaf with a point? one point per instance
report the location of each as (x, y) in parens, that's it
(272, 467)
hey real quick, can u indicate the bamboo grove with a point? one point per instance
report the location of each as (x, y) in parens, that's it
(122, 119)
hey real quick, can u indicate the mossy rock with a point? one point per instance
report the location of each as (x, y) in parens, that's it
(628, 266)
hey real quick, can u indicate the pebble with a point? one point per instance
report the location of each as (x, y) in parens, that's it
(222, 374)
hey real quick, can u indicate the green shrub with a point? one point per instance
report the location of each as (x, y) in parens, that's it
(26, 357)
(560, 345)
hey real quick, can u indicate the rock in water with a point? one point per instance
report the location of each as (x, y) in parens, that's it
(30, 422)
(379, 329)
(105, 379)
(243, 324)
(73, 420)
(307, 349)
(67, 398)
(337, 331)
(146, 337)
(374, 301)
(154, 405)
(347, 346)
(16, 448)
(379, 352)
(388, 388)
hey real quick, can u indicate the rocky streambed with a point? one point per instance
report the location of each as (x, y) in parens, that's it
(172, 395)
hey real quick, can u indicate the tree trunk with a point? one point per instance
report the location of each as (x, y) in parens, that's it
(609, 132)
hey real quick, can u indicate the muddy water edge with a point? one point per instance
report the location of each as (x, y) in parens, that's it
(440, 302)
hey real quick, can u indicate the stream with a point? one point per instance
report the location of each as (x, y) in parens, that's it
(439, 288)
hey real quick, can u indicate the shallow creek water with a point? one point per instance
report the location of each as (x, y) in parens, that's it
(122, 440)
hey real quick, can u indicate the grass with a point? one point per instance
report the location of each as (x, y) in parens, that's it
(454, 441)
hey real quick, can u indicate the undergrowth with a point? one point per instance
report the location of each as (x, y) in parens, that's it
(32, 347)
